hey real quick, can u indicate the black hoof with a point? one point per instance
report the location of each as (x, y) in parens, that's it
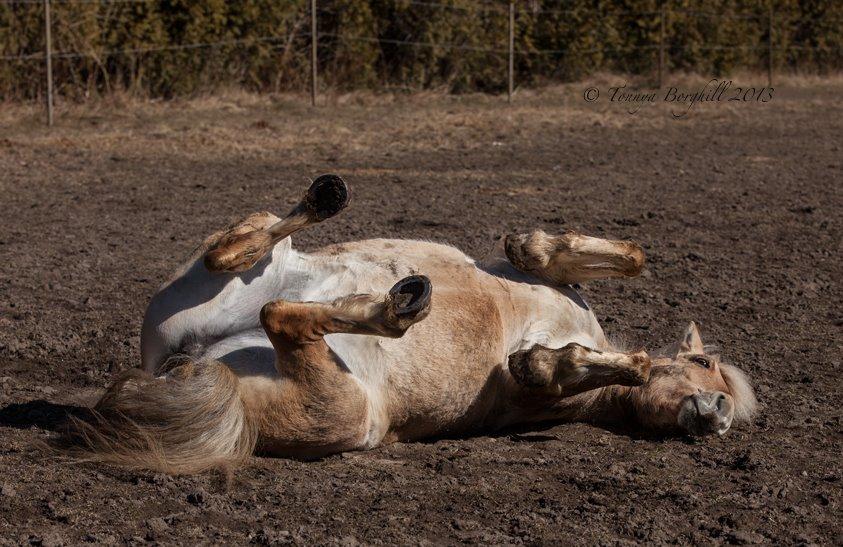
(411, 296)
(327, 196)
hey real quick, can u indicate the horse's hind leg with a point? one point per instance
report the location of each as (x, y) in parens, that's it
(318, 407)
(571, 257)
(245, 243)
(217, 292)
(574, 369)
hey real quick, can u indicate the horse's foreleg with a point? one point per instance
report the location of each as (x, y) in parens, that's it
(243, 245)
(572, 258)
(318, 407)
(575, 369)
(407, 303)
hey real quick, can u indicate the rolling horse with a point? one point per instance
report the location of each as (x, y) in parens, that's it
(253, 346)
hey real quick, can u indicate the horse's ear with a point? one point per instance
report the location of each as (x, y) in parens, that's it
(691, 341)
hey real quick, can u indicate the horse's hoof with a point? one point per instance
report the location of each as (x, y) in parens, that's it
(411, 295)
(327, 196)
(408, 302)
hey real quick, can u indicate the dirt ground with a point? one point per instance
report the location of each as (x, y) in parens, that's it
(737, 204)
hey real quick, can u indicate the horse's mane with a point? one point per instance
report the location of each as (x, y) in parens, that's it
(745, 402)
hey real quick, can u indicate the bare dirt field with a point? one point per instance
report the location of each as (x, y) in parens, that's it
(738, 206)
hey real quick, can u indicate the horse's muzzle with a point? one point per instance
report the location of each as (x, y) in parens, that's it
(706, 413)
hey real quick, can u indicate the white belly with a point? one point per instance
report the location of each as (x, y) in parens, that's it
(250, 353)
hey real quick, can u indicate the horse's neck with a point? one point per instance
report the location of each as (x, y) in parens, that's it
(608, 405)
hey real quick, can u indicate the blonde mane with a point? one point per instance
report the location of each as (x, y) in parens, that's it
(745, 402)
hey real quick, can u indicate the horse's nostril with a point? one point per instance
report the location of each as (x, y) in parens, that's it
(706, 413)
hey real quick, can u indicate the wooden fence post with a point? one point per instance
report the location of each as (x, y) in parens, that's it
(313, 40)
(511, 73)
(48, 55)
(661, 46)
(770, 46)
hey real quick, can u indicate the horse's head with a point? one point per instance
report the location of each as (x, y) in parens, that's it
(692, 391)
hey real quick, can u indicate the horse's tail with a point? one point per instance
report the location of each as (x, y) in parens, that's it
(188, 421)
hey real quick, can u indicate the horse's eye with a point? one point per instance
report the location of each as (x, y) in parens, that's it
(701, 361)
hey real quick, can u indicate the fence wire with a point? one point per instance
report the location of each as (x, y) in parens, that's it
(40, 56)
(392, 41)
(503, 9)
(375, 39)
(500, 7)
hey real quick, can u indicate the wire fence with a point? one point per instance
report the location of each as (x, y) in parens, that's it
(314, 37)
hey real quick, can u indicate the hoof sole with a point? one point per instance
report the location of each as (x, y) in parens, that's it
(411, 296)
(327, 196)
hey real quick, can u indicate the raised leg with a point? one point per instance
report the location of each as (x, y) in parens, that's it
(201, 302)
(244, 244)
(575, 369)
(572, 258)
(321, 408)
(297, 323)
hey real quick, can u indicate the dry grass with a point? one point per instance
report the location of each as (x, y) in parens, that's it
(247, 125)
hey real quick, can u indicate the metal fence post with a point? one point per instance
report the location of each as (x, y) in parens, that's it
(661, 46)
(313, 40)
(48, 55)
(511, 75)
(770, 46)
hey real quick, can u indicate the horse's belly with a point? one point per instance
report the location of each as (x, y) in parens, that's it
(247, 353)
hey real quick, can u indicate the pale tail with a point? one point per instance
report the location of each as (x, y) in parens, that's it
(189, 421)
